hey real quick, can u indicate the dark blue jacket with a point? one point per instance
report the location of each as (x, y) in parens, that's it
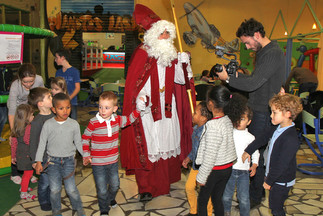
(283, 157)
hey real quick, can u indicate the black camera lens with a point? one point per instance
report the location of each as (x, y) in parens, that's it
(218, 68)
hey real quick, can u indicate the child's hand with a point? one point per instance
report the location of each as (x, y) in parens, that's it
(38, 168)
(266, 186)
(13, 160)
(199, 183)
(34, 165)
(86, 161)
(185, 162)
(253, 169)
(245, 155)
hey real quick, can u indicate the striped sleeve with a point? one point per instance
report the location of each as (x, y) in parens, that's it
(127, 120)
(86, 138)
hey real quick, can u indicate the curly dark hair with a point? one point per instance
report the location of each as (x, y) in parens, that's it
(236, 108)
(204, 110)
(249, 27)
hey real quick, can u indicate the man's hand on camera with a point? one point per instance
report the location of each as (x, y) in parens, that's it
(223, 75)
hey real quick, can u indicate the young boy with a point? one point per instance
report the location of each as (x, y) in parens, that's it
(200, 117)
(283, 145)
(60, 137)
(240, 170)
(71, 76)
(103, 133)
(41, 99)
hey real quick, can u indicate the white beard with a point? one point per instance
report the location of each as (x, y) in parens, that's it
(163, 50)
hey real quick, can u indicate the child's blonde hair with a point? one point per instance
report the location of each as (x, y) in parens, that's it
(287, 102)
(22, 115)
(60, 82)
(109, 95)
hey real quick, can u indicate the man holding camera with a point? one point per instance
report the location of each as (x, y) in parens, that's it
(266, 80)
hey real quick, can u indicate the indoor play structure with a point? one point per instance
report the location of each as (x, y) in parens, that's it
(5, 156)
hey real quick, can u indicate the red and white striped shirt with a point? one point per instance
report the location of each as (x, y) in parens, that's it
(97, 144)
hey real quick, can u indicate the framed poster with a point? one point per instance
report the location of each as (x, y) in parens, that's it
(11, 44)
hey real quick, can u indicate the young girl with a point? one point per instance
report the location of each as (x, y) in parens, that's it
(19, 90)
(20, 134)
(57, 85)
(216, 152)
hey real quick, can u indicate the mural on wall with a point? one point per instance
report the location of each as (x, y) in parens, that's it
(210, 36)
(75, 16)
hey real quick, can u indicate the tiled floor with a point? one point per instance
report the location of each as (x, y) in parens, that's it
(306, 197)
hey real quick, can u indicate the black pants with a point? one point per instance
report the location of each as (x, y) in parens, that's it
(261, 121)
(307, 87)
(15, 171)
(277, 196)
(213, 188)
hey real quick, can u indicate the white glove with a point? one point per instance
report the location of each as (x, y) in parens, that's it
(140, 104)
(183, 57)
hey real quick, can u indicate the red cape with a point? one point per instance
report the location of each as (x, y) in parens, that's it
(133, 147)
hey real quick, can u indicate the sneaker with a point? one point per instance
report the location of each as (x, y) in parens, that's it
(2, 139)
(29, 189)
(104, 214)
(34, 179)
(25, 195)
(113, 204)
(16, 179)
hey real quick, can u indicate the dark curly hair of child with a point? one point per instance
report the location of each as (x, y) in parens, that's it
(234, 105)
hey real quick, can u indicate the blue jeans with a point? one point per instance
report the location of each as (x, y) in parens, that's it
(3, 116)
(104, 175)
(43, 190)
(62, 169)
(73, 114)
(241, 179)
(261, 121)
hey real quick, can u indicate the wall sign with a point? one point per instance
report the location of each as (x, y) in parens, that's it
(11, 44)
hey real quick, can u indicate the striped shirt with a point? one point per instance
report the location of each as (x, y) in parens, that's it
(97, 144)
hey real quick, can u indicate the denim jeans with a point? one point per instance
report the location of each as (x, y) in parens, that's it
(241, 179)
(104, 175)
(261, 121)
(73, 114)
(43, 190)
(60, 168)
(3, 116)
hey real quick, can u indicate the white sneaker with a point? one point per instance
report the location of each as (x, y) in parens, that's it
(16, 179)
(25, 195)
(34, 179)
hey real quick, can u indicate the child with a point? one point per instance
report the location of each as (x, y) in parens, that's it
(20, 146)
(41, 99)
(19, 90)
(283, 145)
(216, 152)
(240, 170)
(57, 85)
(205, 76)
(60, 137)
(200, 117)
(103, 133)
(71, 76)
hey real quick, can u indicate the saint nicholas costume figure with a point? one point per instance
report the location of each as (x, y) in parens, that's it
(153, 147)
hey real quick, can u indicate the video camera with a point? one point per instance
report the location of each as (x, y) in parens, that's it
(231, 68)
